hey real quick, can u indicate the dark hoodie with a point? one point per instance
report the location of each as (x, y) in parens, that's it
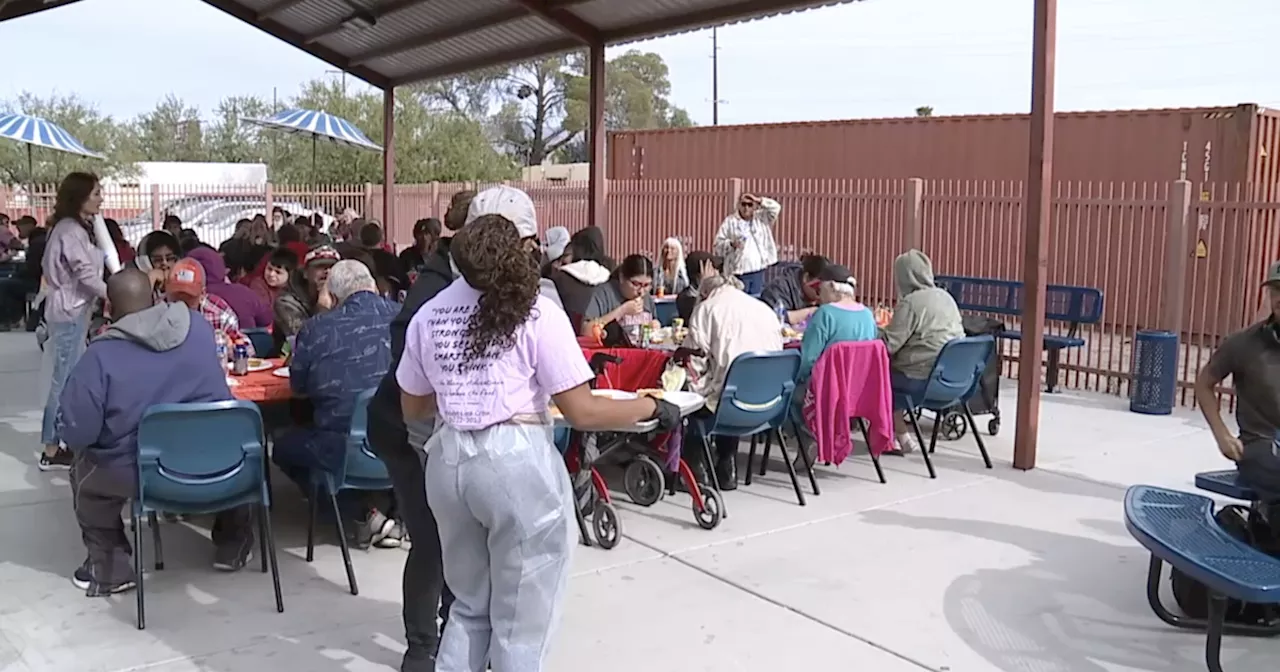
(249, 308)
(161, 355)
(387, 430)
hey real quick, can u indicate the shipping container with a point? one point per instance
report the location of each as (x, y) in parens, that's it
(1226, 144)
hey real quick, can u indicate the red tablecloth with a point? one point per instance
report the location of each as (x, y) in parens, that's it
(639, 368)
(261, 386)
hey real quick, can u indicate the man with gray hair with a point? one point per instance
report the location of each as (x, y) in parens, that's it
(337, 355)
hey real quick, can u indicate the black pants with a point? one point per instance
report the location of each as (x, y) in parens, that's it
(1260, 469)
(722, 449)
(424, 587)
(99, 493)
(13, 298)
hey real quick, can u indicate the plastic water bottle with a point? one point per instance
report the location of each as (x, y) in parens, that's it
(240, 365)
(220, 343)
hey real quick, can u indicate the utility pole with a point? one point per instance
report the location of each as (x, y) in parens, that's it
(343, 75)
(715, 77)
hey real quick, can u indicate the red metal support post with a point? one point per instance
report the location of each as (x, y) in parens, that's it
(1035, 260)
(389, 163)
(596, 135)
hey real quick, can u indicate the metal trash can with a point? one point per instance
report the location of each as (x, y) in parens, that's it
(1155, 372)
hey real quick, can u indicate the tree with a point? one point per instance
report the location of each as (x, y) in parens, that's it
(924, 111)
(230, 139)
(637, 91)
(94, 130)
(170, 132)
(430, 145)
(470, 95)
(538, 109)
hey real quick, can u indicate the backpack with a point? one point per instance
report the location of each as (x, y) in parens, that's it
(1248, 526)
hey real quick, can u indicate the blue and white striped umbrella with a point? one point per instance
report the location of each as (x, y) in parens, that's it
(320, 126)
(37, 132)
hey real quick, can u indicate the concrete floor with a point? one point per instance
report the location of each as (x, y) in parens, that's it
(977, 570)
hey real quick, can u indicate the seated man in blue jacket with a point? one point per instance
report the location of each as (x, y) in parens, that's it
(151, 354)
(337, 355)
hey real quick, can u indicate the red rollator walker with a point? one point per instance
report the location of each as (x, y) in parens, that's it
(645, 480)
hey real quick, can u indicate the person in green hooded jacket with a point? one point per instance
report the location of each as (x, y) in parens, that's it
(925, 319)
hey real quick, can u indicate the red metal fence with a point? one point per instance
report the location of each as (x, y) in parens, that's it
(1124, 239)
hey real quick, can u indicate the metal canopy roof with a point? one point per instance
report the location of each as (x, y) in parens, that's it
(393, 42)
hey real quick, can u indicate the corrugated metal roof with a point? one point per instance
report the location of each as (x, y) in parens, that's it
(393, 42)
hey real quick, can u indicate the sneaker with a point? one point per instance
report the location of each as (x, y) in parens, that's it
(373, 530)
(231, 559)
(102, 589)
(82, 578)
(906, 444)
(395, 537)
(60, 461)
(405, 542)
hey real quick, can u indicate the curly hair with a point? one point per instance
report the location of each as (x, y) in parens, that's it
(493, 259)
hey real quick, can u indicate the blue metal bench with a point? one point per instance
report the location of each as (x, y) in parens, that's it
(1063, 303)
(1179, 528)
(1224, 483)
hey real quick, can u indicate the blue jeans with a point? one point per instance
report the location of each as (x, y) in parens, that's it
(752, 283)
(67, 341)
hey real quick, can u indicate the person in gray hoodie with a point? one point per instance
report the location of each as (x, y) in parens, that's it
(151, 354)
(925, 319)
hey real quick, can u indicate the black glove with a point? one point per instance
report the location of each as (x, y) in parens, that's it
(666, 413)
(682, 354)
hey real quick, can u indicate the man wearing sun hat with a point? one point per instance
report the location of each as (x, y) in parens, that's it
(186, 284)
(305, 295)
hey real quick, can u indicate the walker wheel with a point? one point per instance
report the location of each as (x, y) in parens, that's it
(993, 427)
(953, 426)
(605, 524)
(710, 513)
(644, 481)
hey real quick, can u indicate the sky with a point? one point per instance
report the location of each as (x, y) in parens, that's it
(878, 58)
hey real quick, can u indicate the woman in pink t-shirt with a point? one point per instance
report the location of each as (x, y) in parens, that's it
(485, 357)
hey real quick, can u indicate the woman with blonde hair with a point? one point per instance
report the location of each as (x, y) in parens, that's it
(670, 277)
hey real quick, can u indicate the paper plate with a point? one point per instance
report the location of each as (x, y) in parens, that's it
(282, 372)
(259, 364)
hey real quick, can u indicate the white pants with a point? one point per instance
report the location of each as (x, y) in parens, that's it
(502, 500)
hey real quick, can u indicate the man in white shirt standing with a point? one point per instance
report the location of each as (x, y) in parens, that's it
(746, 242)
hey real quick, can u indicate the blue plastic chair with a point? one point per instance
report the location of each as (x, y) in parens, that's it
(757, 398)
(261, 340)
(360, 470)
(197, 459)
(666, 312)
(952, 381)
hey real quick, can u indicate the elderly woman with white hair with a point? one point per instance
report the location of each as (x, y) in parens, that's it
(839, 318)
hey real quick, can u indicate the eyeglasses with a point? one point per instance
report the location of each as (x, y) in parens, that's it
(641, 285)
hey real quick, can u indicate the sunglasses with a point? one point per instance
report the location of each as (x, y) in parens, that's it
(747, 204)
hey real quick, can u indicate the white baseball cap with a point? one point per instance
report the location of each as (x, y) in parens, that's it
(508, 202)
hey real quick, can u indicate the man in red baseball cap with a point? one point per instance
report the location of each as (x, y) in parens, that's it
(305, 295)
(186, 284)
